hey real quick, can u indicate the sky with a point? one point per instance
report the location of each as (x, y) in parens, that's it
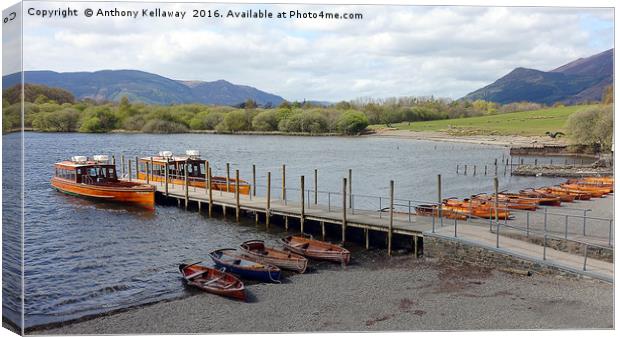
(443, 51)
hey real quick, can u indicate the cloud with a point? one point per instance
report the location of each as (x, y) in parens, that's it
(393, 51)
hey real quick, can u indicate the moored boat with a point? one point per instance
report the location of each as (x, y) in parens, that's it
(433, 210)
(196, 172)
(96, 179)
(564, 196)
(579, 195)
(213, 281)
(232, 261)
(596, 192)
(477, 208)
(511, 202)
(315, 249)
(543, 198)
(256, 250)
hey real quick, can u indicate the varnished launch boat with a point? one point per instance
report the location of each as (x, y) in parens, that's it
(306, 246)
(213, 281)
(257, 251)
(196, 172)
(96, 179)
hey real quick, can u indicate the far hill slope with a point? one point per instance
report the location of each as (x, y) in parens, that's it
(111, 85)
(577, 81)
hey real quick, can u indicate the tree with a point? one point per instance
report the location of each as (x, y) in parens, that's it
(608, 95)
(266, 120)
(592, 127)
(352, 122)
(234, 121)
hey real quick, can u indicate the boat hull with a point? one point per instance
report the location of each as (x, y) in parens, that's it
(255, 250)
(217, 184)
(317, 250)
(265, 273)
(134, 194)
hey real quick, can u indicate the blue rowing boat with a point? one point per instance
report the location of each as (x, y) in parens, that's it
(234, 262)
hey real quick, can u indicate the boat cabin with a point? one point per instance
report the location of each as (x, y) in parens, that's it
(82, 170)
(176, 165)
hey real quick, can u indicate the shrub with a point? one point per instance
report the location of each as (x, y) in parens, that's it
(163, 126)
(352, 122)
(266, 120)
(234, 121)
(65, 120)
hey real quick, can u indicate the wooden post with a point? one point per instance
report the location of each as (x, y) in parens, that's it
(316, 188)
(286, 223)
(495, 166)
(186, 186)
(147, 172)
(152, 168)
(166, 177)
(496, 185)
(237, 203)
(344, 208)
(485, 170)
(284, 183)
(350, 182)
(366, 235)
(122, 165)
(391, 224)
(129, 168)
(303, 207)
(253, 179)
(439, 205)
(207, 180)
(227, 177)
(210, 193)
(474, 169)
(465, 170)
(137, 168)
(268, 207)
(323, 230)
(457, 169)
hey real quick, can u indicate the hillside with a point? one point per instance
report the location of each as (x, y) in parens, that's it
(140, 86)
(525, 123)
(582, 80)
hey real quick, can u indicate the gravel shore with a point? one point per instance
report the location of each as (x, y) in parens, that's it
(376, 293)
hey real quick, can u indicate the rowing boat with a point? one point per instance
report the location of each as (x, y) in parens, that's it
(234, 262)
(213, 281)
(257, 251)
(304, 245)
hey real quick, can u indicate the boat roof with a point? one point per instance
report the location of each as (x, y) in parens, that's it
(73, 164)
(172, 158)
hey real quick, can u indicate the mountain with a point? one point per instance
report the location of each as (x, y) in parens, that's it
(578, 81)
(144, 87)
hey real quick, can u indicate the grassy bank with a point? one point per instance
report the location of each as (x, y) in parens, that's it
(525, 123)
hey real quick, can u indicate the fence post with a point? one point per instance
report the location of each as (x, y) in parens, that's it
(610, 231)
(303, 209)
(344, 208)
(316, 188)
(284, 183)
(210, 188)
(391, 217)
(455, 223)
(566, 227)
(350, 182)
(545, 236)
(585, 256)
(439, 204)
(268, 207)
(527, 224)
(237, 203)
(253, 181)
(584, 221)
(496, 185)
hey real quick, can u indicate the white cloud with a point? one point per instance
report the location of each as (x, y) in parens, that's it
(394, 50)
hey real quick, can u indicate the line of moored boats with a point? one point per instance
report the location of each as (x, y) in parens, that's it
(256, 261)
(484, 205)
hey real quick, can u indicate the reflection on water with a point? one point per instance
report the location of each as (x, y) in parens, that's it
(84, 257)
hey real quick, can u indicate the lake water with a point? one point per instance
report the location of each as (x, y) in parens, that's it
(84, 258)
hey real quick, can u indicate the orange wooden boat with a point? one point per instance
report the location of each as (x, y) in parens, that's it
(520, 203)
(476, 208)
(592, 183)
(304, 245)
(196, 172)
(213, 281)
(563, 195)
(433, 210)
(256, 250)
(96, 179)
(599, 180)
(579, 195)
(594, 191)
(543, 198)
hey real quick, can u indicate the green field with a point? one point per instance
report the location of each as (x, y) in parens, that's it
(526, 123)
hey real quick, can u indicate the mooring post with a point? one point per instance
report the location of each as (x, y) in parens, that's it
(151, 170)
(113, 160)
(227, 177)
(147, 172)
(166, 177)
(535, 161)
(316, 188)
(495, 166)
(122, 165)
(210, 189)
(237, 203)
(283, 194)
(186, 185)
(439, 204)
(391, 224)
(457, 169)
(465, 173)
(137, 168)
(303, 203)
(496, 185)
(268, 207)
(350, 182)
(474, 169)
(129, 169)
(253, 180)
(344, 208)
(545, 236)
(207, 177)
(366, 234)
(323, 230)
(485, 170)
